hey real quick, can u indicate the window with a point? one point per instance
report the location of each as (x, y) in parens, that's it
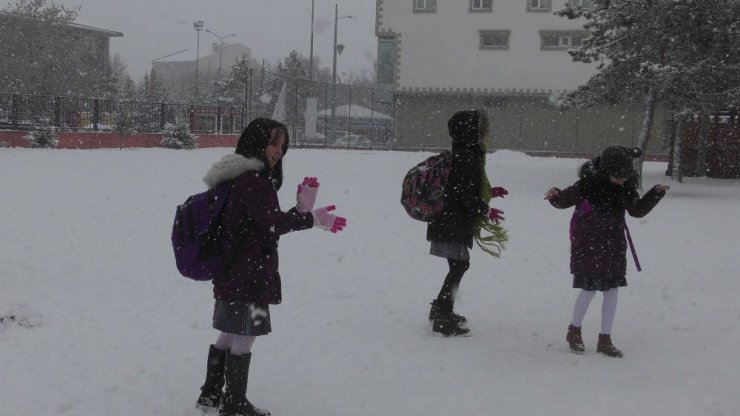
(422, 6)
(481, 6)
(580, 3)
(562, 39)
(385, 62)
(494, 39)
(539, 5)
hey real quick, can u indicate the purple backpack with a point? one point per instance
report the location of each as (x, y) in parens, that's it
(422, 195)
(196, 241)
(583, 208)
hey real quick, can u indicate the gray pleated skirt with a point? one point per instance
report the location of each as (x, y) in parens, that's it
(241, 318)
(448, 250)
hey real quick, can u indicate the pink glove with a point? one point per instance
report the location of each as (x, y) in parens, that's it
(306, 194)
(322, 218)
(495, 215)
(498, 192)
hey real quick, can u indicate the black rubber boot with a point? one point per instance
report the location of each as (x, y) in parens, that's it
(234, 402)
(448, 327)
(210, 392)
(439, 311)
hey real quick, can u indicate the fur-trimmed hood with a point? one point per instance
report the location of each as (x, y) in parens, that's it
(229, 167)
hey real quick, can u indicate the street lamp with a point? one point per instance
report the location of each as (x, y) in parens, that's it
(198, 25)
(337, 49)
(220, 46)
(310, 56)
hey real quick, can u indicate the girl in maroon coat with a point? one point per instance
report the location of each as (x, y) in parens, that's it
(252, 223)
(606, 189)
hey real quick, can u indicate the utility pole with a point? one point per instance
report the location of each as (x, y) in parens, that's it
(198, 25)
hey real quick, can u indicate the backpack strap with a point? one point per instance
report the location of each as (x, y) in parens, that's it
(582, 208)
(632, 247)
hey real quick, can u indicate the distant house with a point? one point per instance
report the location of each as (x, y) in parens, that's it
(39, 58)
(509, 57)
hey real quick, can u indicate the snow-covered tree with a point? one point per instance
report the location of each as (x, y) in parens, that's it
(43, 138)
(178, 136)
(123, 122)
(681, 52)
(293, 71)
(42, 52)
(120, 85)
(230, 91)
(153, 88)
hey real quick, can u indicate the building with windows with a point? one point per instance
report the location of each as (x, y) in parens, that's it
(507, 56)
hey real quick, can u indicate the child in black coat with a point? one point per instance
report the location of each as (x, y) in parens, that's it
(605, 191)
(452, 232)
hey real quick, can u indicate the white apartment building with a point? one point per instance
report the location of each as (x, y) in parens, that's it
(507, 56)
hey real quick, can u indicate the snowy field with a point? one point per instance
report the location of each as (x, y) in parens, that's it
(104, 324)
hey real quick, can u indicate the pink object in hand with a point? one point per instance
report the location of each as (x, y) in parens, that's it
(327, 221)
(495, 215)
(498, 192)
(306, 194)
(311, 182)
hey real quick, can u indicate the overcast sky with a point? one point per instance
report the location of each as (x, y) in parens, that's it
(271, 28)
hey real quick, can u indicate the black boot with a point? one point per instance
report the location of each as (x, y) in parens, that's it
(234, 402)
(210, 392)
(448, 327)
(438, 310)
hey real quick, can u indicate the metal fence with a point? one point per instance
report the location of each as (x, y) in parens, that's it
(338, 113)
(316, 113)
(28, 112)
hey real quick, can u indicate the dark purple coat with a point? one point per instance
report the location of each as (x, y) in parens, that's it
(253, 223)
(598, 245)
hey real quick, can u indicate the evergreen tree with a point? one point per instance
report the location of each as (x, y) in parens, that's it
(230, 91)
(120, 85)
(153, 90)
(43, 138)
(292, 71)
(681, 52)
(178, 136)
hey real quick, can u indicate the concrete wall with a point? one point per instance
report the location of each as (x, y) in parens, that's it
(72, 140)
(526, 123)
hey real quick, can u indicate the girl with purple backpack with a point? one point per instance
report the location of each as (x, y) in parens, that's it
(605, 191)
(251, 224)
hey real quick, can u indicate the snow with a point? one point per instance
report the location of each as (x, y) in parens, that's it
(105, 325)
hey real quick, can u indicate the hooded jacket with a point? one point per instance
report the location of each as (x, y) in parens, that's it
(598, 245)
(253, 223)
(463, 202)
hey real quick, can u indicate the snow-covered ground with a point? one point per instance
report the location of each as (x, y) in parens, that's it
(104, 325)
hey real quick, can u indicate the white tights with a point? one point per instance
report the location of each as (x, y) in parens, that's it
(237, 344)
(608, 308)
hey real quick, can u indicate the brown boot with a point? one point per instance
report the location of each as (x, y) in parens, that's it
(574, 339)
(605, 346)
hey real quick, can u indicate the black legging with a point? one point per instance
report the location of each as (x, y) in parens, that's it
(452, 281)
